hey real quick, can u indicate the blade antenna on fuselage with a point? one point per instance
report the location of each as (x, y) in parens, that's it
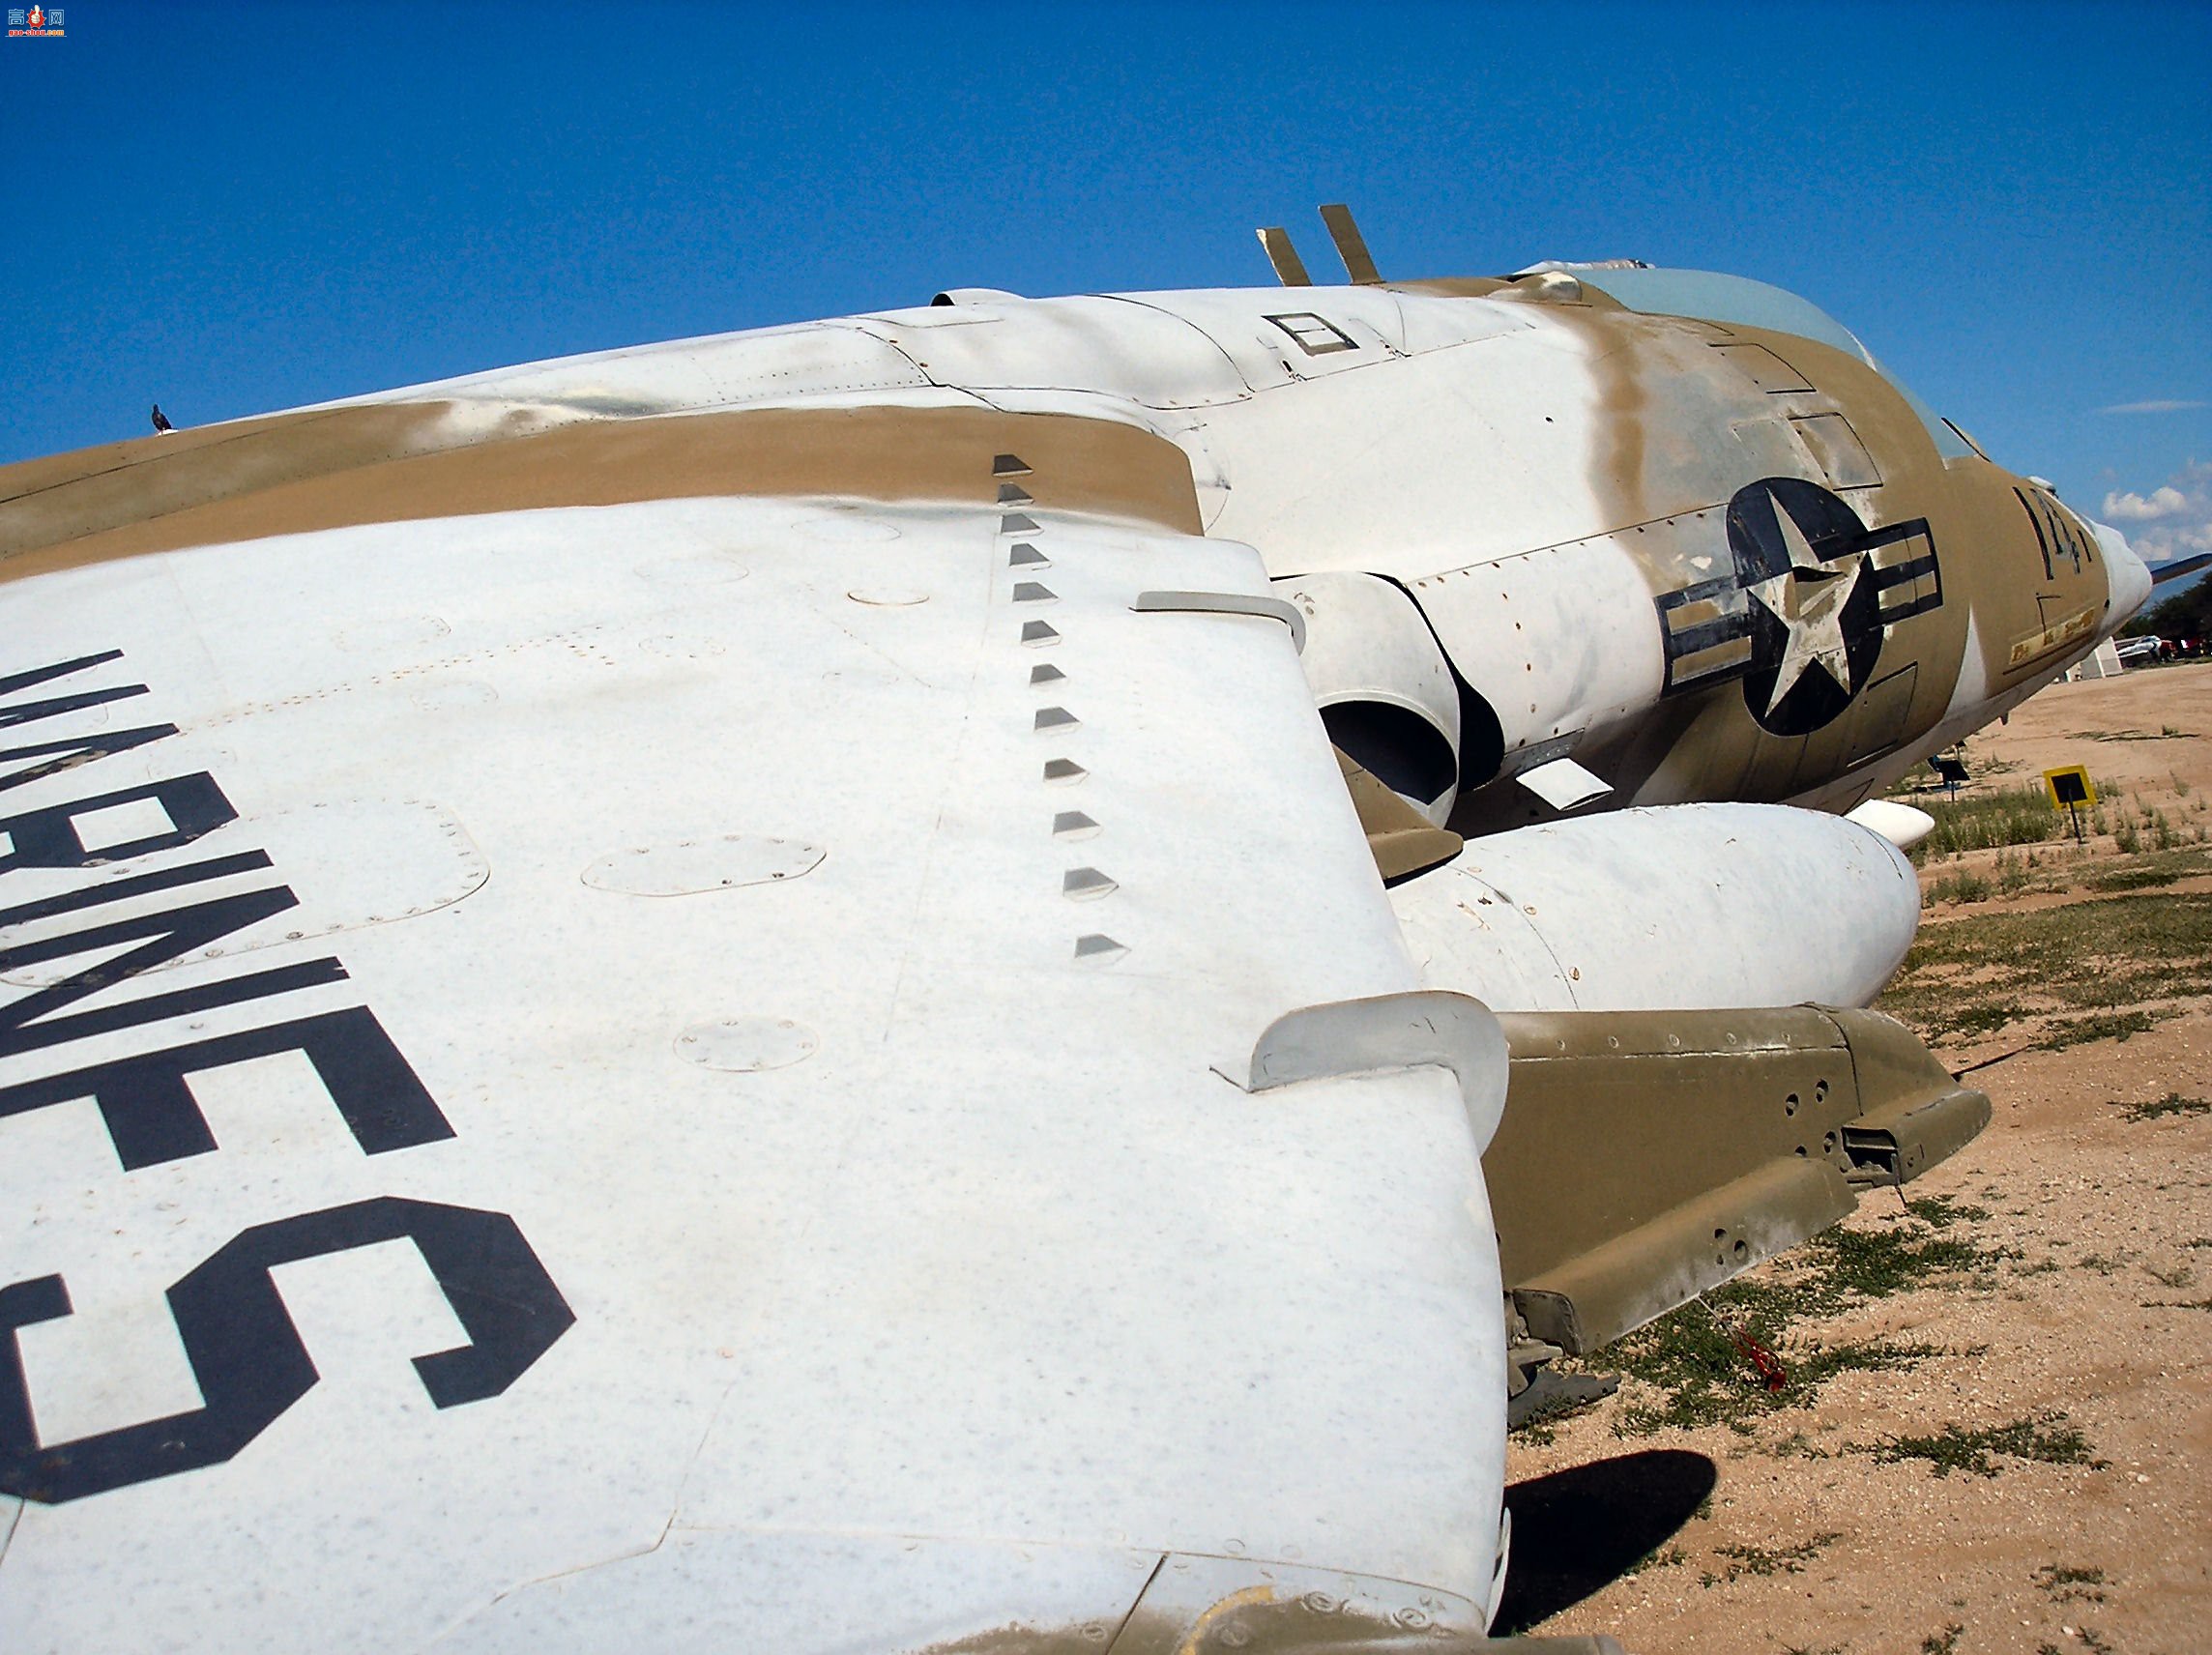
(1290, 268)
(1350, 246)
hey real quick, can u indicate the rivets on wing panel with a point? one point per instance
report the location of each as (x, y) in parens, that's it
(1073, 824)
(366, 861)
(747, 1045)
(1086, 884)
(1047, 674)
(682, 646)
(1034, 591)
(1097, 945)
(1054, 718)
(1038, 633)
(690, 866)
(1064, 771)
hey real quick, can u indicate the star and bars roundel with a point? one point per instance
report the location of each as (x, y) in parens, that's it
(1800, 618)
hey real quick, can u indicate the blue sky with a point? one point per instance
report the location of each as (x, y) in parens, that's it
(236, 208)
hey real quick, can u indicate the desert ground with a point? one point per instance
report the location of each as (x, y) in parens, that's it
(1995, 1428)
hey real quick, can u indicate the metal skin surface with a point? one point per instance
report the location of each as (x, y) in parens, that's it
(1731, 1134)
(723, 995)
(1752, 905)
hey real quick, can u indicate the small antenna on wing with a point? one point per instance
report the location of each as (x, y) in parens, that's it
(1350, 246)
(1290, 268)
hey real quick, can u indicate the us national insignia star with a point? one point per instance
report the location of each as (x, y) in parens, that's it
(1809, 599)
(1800, 614)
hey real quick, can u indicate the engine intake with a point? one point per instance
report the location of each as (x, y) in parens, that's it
(1387, 694)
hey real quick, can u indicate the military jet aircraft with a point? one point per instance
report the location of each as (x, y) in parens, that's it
(972, 978)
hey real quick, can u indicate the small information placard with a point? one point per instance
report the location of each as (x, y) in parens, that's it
(2069, 788)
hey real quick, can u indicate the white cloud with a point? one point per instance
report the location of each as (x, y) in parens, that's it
(2158, 405)
(2173, 520)
(2162, 502)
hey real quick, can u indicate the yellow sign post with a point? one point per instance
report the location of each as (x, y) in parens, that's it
(2070, 789)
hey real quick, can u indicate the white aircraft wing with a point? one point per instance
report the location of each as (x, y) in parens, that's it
(708, 1071)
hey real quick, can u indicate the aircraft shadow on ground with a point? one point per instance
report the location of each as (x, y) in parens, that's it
(1577, 1531)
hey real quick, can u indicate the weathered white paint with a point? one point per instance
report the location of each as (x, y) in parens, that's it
(2127, 573)
(1562, 784)
(1900, 824)
(943, 1280)
(1676, 907)
(1365, 641)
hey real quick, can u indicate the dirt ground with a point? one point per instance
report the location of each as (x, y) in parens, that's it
(2010, 1448)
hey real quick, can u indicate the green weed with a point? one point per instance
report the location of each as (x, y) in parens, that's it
(1704, 1380)
(1664, 1560)
(2066, 1584)
(2120, 954)
(2172, 1103)
(1881, 1262)
(1972, 1019)
(1763, 1560)
(1955, 1449)
(1941, 1212)
(1983, 821)
(2133, 879)
(2106, 1026)
(1965, 885)
(1799, 1446)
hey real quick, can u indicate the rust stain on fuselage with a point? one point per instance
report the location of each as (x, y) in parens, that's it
(1617, 469)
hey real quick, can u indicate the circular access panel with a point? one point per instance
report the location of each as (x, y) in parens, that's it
(747, 1045)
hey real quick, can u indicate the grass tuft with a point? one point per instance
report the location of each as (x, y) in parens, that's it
(1986, 821)
(1667, 1558)
(2065, 1031)
(1703, 1379)
(1955, 1449)
(2128, 957)
(2063, 1583)
(1964, 885)
(1764, 1561)
(2172, 1103)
